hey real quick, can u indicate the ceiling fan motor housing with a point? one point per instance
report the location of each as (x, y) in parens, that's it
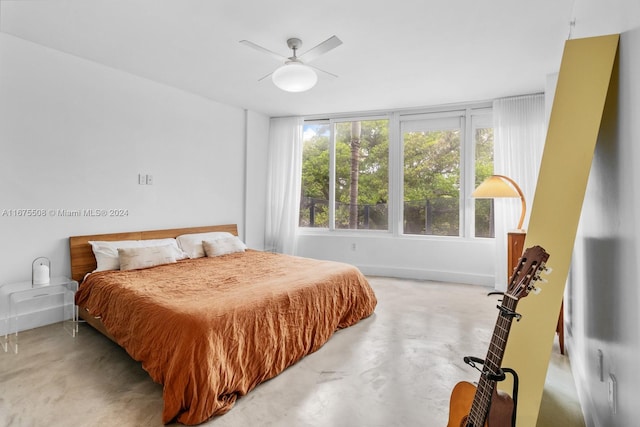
(294, 43)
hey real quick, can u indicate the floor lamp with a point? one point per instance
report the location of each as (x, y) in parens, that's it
(501, 186)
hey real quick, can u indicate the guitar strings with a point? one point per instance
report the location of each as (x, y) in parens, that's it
(486, 386)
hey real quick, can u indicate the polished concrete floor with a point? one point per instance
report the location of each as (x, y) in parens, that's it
(396, 368)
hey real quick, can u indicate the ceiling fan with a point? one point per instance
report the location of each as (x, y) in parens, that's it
(295, 75)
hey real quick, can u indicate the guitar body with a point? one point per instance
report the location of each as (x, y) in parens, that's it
(500, 411)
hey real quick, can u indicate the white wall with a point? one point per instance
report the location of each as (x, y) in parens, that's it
(75, 134)
(603, 293)
(446, 259)
(256, 199)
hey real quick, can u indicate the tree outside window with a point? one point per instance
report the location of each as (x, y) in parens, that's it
(432, 182)
(314, 200)
(361, 183)
(362, 175)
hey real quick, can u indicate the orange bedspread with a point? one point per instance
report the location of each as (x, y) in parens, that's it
(211, 329)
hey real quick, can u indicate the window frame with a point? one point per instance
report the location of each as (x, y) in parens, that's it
(473, 115)
(436, 122)
(323, 121)
(332, 172)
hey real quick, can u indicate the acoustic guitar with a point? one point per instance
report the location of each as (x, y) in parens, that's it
(484, 405)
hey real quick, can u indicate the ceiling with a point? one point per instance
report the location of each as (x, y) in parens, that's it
(395, 55)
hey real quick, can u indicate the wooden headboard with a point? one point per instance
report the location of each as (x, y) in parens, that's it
(83, 260)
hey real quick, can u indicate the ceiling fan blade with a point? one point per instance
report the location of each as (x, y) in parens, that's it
(324, 47)
(263, 50)
(322, 71)
(264, 77)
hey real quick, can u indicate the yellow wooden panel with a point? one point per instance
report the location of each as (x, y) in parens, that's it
(583, 81)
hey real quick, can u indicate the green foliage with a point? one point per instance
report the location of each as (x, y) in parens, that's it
(431, 165)
(315, 177)
(373, 162)
(373, 175)
(315, 167)
(432, 182)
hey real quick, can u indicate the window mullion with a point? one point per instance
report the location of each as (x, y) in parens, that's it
(332, 176)
(467, 175)
(395, 176)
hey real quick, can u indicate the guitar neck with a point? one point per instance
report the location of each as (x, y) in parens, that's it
(531, 263)
(493, 361)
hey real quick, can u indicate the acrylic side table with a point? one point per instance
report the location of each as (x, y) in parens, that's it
(25, 301)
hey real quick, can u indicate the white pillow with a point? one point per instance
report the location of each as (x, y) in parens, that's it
(223, 246)
(106, 252)
(191, 244)
(145, 257)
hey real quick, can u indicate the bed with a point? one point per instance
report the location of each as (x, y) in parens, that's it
(210, 329)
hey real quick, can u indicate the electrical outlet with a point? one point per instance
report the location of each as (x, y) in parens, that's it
(353, 247)
(613, 393)
(142, 179)
(149, 179)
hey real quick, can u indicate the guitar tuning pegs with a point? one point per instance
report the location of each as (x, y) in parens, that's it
(536, 291)
(547, 270)
(542, 279)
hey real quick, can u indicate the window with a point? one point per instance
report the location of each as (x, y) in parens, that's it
(411, 173)
(431, 176)
(314, 201)
(362, 175)
(483, 141)
(360, 184)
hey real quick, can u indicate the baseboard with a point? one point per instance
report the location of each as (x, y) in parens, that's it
(422, 274)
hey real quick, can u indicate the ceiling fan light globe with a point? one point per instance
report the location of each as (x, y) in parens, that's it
(294, 77)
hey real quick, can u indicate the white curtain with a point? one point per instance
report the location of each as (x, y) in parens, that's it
(519, 136)
(283, 184)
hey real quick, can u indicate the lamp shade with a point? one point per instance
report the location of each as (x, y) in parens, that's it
(40, 271)
(294, 77)
(494, 186)
(501, 186)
